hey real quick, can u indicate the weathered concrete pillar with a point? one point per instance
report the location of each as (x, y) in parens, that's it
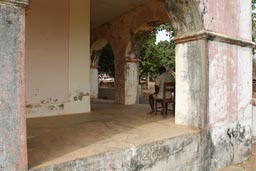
(131, 81)
(214, 78)
(191, 85)
(13, 149)
(229, 55)
(94, 82)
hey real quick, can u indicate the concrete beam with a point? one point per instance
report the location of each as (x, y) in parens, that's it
(209, 35)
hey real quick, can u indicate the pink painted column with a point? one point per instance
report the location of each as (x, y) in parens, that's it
(13, 144)
(214, 81)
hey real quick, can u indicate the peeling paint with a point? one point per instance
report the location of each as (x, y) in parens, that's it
(56, 107)
(80, 96)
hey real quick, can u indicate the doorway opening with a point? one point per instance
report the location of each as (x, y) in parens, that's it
(156, 50)
(102, 71)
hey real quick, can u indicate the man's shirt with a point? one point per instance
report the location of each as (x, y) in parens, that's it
(160, 80)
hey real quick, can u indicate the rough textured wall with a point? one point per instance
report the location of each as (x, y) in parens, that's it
(229, 115)
(230, 83)
(227, 17)
(227, 60)
(13, 151)
(230, 110)
(118, 33)
(184, 15)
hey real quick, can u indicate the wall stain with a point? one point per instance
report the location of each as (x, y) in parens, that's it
(30, 106)
(49, 100)
(75, 98)
(80, 96)
(56, 107)
(237, 133)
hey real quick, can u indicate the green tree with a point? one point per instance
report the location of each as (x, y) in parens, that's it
(166, 52)
(107, 61)
(149, 60)
(153, 55)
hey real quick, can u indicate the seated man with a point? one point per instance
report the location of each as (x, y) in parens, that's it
(160, 80)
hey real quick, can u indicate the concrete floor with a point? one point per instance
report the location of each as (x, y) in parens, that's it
(109, 127)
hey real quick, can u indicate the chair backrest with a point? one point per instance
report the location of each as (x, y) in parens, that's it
(169, 90)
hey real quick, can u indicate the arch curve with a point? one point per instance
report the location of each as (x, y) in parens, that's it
(98, 44)
(184, 15)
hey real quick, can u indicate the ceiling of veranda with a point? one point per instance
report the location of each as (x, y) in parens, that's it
(103, 11)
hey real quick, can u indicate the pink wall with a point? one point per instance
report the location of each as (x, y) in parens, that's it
(228, 17)
(47, 37)
(230, 81)
(229, 65)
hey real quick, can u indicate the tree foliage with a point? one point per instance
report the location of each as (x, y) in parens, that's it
(154, 55)
(107, 61)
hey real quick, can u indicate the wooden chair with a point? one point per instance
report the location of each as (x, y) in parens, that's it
(168, 97)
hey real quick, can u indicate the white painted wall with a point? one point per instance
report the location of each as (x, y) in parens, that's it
(47, 40)
(79, 55)
(65, 76)
(190, 79)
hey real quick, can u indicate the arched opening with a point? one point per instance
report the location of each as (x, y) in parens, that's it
(106, 74)
(156, 50)
(102, 71)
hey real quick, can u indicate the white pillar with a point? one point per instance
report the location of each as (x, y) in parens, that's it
(79, 58)
(94, 82)
(131, 82)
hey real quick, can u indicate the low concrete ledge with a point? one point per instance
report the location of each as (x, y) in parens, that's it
(179, 153)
